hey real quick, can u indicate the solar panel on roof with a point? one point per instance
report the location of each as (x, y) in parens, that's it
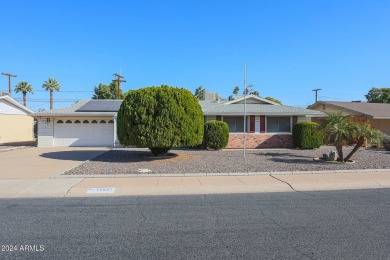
(101, 106)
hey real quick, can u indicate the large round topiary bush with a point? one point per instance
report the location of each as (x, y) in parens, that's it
(216, 134)
(307, 135)
(160, 118)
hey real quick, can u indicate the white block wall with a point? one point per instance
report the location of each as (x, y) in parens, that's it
(45, 132)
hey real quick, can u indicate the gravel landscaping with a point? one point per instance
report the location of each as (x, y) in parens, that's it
(137, 160)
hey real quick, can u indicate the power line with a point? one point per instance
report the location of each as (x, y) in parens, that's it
(71, 91)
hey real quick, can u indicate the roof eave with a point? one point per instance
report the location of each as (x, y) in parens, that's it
(74, 114)
(263, 113)
(16, 103)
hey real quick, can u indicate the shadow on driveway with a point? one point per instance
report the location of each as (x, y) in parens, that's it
(82, 155)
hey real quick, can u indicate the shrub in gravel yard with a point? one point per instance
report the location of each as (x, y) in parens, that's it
(216, 134)
(307, 135)
(160, 118)
(386, 142)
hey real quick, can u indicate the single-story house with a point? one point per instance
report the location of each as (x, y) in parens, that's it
(377, 113)
(268, 124)
(16, 122)
(93, 122)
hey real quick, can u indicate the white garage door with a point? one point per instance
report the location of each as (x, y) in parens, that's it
(83, 132)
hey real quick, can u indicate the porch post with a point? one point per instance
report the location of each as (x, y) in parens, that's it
(115, 138)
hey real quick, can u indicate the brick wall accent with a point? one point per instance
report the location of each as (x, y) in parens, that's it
(252, 124)
(260, 141)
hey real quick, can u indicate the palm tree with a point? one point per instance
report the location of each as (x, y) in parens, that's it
(24, 87)
(338, 132)
(200, 93)
(363, 131)
(51, 85)
(342, 130)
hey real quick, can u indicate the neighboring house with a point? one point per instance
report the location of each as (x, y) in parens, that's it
(16, 122)
(93, 122)
(377, 113)
(268, 124)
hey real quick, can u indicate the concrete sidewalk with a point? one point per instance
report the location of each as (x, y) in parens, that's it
(35, 172)
(89, 187)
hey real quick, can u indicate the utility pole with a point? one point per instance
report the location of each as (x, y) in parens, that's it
(119, 79)
(316, 90)
(9, 75)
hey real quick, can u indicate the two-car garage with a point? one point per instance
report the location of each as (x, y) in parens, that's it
(68, 132)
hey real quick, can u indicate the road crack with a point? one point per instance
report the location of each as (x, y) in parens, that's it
(284, 182)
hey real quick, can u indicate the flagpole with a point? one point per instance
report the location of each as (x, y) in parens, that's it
(245, 109)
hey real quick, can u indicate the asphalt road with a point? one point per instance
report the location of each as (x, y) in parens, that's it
(311, 225)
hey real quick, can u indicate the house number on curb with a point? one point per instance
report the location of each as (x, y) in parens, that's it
(100, 190)
(144, 170)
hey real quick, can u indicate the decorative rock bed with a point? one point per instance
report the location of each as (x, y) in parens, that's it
(130, 160)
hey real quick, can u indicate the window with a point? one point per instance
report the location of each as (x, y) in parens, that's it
(94, 122)
(68, 121)
(278, 124)
(60, 122)
(102, 121)
(85, 122)
(235, 123)
(77, 122)
(111, 121)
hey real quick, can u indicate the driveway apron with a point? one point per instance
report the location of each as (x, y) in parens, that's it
(43, 163)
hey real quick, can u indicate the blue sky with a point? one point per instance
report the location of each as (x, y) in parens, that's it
(291, 47)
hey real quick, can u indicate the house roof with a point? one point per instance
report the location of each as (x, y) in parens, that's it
(373, 110)
(98, 107)
(259, 109)
(16, 103)
(263, 107)
(82, 108)
(239, 98)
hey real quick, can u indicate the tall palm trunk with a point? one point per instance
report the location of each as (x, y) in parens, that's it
(357, 146)
(24, 98)
(51, 99)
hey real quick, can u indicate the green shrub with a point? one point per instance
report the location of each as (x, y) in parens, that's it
(216, 134)
(160, 118)
(386, 142)
(307, 135)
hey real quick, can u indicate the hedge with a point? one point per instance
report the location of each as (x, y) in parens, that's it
(307, 135)
(216, 134)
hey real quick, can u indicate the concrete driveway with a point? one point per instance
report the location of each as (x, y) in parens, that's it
(43, 163)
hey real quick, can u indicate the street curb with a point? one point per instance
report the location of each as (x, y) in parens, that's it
(141, 175)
